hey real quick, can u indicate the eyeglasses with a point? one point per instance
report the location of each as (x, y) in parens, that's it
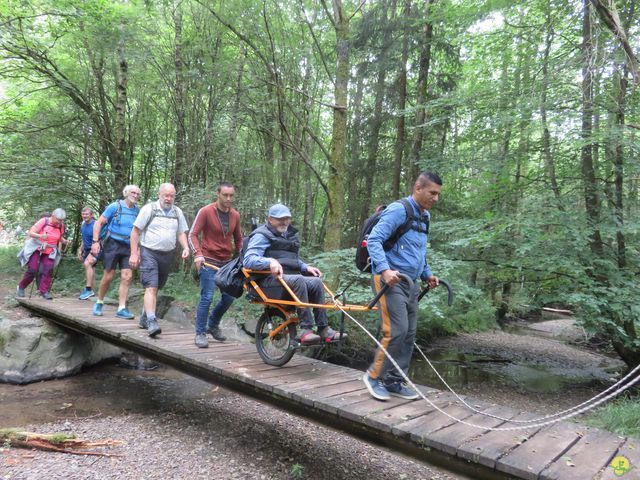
(137, 194)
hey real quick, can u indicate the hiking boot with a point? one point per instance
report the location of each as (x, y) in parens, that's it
(124, 313)
(216, 333)
(97, 309)
(142, 323)
(307, 337)
(376, 388)
(46, 296)
(328, 335)
(86, 294)
(152, 327)
(201, 340)
(20, 292)
(401, 390)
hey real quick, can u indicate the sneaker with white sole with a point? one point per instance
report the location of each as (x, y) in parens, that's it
(86, 294)
(399, 389)
(97, 309)
(124, 313)
(376, 388)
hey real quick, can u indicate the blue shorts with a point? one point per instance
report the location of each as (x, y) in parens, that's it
(116, 254)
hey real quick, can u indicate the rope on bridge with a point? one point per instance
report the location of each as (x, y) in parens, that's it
(617, 389)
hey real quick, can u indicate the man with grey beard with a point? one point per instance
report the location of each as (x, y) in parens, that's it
(157, 228)
(275, 246)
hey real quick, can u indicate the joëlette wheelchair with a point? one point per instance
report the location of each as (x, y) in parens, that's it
(276, 329)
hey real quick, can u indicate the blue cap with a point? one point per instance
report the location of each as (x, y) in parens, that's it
(279, 211)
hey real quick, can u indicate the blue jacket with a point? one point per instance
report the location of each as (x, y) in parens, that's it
(408, 255)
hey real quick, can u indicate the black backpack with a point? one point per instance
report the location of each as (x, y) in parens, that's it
(363, 263)
(230, 279)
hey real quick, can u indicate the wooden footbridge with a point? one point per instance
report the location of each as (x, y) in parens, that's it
(336, 396)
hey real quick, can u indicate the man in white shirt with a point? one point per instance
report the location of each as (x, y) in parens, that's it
(156, 230)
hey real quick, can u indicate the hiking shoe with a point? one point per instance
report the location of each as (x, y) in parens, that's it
(86, 294)
(201, 340)
(376, 388)
(401, 390)
(216, 333)
(20, 292)
(307, 337)
(142, 323)
(97, 309)
(124, 313)
(46, 296)
(328, 334)
(152, 327)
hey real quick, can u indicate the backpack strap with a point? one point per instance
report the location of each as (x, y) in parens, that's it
(406, 226)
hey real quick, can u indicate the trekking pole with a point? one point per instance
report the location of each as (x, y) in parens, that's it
(57, 265)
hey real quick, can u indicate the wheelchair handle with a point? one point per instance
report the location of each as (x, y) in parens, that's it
(376, 299)
(384, 289)
(449, 292)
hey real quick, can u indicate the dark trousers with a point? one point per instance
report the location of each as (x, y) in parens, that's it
(398, 309)
(46, 277)
(307, 289)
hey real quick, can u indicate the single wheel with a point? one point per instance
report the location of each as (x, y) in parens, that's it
(279, 349)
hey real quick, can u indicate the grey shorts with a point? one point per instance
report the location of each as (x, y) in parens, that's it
(116, 254)
(154, 267)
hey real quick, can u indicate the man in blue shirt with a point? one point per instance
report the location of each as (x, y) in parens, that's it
(400, 267)
(275, 246)
(119, 217)
(84, 252)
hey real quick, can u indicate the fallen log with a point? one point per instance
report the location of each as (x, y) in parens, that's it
(54, 442)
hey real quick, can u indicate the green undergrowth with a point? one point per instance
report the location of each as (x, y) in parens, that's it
(621, 416)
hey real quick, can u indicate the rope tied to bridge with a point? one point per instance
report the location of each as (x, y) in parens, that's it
(585, 406)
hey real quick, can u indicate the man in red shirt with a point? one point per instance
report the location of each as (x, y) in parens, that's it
(216, 224)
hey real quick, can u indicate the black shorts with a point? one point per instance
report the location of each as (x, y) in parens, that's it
(116, 254)
(154, 267)
(86, 252)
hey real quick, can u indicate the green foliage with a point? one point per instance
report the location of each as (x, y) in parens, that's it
(297, 470)
(620, 416)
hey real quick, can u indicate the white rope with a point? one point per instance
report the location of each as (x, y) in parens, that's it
(615, 385)
(483, 427)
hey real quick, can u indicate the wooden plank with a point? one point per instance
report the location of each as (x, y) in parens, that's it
(388, 418)
(625, 463)
(450, 438)
(359, 411)
(298, 389)
(593, 452)
(419, 429)
(530, 458)
(489, 447)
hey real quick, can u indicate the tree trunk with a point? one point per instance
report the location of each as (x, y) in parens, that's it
(119, 164)
(398, 149)
(374, 139)
(421, 94)
(335, 185)
(180, 161)
(549, 162)
(591, 197)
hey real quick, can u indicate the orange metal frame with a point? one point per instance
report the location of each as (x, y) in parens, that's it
(296, 302)
(290, 314)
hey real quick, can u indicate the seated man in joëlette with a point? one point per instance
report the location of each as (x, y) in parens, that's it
(275, 246)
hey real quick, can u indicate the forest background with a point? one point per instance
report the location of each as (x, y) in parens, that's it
(527, 110)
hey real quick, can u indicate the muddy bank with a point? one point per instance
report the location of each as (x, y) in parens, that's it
(531, 371)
